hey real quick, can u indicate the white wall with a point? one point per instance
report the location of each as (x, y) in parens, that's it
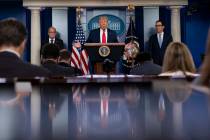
(151, 14)
(60, 22)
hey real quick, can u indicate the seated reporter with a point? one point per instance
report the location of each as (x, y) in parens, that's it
(50, 61)
(13, 36)
(145, 65)
(64, 60)
(178, 61)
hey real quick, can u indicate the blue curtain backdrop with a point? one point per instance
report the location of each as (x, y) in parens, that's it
(183, 24)
(139, 26)
(165, 16)
(11, 9)
(27, 54)
(196, 18)
(71, 26)
(46, 22)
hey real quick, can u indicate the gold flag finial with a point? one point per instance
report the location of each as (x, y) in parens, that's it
(131, 7)
(79, 12)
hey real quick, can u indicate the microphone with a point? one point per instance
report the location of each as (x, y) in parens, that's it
(108, 65)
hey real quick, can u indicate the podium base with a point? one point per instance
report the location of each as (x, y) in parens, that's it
(98, 68)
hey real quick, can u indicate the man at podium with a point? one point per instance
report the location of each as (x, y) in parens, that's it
(102, 34)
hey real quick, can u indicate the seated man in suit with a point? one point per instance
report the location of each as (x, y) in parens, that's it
(12, 43)
(102, 34)
(158, 43)
(64, 60)
(145, 65)
(50, 61)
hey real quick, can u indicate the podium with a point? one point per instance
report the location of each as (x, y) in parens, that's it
(99, 52)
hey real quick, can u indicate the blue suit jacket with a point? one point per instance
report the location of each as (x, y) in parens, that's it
(155, 50)
(94, 36)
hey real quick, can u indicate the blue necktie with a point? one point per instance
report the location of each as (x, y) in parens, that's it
(160, 40)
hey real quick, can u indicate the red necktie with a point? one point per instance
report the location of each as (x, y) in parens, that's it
(103, 37)
(105, 106)
(104, 113)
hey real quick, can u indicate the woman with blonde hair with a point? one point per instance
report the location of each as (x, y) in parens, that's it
(178, 61)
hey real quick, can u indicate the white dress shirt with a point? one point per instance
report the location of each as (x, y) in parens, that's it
(52, 39)
(162, 34)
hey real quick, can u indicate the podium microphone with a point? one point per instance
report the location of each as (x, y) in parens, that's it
(108, 65)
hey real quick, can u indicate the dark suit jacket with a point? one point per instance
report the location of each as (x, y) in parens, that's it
(94, 36)
(12, 66)
(154, 49)
(76, 71)
(58, 70)
(147, 68)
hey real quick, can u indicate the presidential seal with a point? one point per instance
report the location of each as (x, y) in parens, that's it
(104, 51)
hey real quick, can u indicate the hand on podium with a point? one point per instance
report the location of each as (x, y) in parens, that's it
(77, 44)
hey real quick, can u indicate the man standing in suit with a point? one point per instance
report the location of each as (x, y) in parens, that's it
(158, 43)
(53, 39)
(102, 34)
(12, 43)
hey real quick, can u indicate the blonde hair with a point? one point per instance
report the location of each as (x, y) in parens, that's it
(103, 17)
(178, 58)
(205, 68)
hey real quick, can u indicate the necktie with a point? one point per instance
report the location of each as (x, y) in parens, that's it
(160, 40)
(104, 113)
(51, 41)
(105, 104)
(103, 37)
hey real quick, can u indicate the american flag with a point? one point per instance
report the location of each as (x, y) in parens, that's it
(79, 57)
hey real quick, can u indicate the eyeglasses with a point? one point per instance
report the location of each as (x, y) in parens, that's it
(52, 32)
(158, 25)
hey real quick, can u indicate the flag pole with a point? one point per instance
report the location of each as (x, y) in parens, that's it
(131, 8)
(79, 57)
(79, 11)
